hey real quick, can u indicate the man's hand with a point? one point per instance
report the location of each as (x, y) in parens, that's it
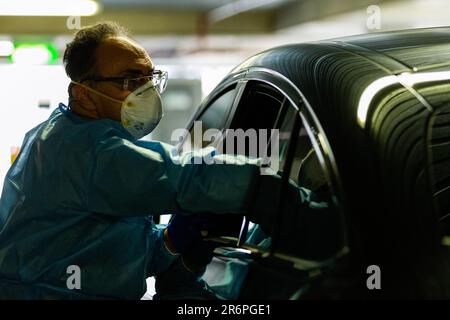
(185, 230)
(182, 232)
(199, 255)
(185, 235)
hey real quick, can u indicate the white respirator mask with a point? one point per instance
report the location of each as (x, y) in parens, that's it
(141, 110)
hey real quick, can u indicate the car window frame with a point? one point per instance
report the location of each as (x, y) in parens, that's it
(247, 85)
(305, 117)
(298, 100)
(293, 97)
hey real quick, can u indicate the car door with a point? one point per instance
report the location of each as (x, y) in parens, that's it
(307, 237)
(298, 245)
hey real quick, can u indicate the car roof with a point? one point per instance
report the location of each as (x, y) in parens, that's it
(396, 51)
(335, 75)
(417, 48)
(332, 74)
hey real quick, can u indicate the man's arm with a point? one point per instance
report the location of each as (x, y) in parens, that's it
(147, 178)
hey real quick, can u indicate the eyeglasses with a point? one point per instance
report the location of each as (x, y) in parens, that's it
(158, 78)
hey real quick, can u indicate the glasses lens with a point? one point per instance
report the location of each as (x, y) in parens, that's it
(162, 81)
(158, 79)
(133, 84)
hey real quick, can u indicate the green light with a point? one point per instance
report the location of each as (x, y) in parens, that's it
(32, 53)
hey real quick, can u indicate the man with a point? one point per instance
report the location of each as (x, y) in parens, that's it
(82, 192)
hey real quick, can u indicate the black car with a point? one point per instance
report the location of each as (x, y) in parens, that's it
(364, 121)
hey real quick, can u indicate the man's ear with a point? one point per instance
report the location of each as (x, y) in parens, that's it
(85, 105)
(81, 95)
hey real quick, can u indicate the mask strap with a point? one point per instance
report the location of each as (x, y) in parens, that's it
(96, 92)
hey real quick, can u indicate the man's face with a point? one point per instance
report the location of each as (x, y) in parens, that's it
(116, 57)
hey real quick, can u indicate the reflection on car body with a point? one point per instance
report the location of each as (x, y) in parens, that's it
(364, 123)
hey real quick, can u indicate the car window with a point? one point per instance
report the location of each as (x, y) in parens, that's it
(298, 232)
(214, 116)
(254, 117)
(258, 107)
(285, 127)
(306, 170)
(309, 225)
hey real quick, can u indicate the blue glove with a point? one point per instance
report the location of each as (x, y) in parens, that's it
(200, 254)
(183, 231)
(188, 231)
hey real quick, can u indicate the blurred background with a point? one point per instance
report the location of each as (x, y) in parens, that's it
(196, 41)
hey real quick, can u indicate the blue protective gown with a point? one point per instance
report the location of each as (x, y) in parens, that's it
(81, 192)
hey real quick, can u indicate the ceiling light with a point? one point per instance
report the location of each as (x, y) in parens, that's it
(6, 48)
(48, 7)
(34, 54)
(238, 6)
